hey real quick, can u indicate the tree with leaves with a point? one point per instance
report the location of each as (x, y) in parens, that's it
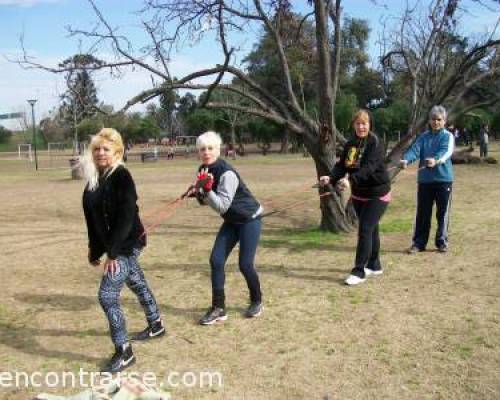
(169, 22)
(80, 99)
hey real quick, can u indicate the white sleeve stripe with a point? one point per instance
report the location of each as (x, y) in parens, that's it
(449, 152)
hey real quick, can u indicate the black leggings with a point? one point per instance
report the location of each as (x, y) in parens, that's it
(367, 251)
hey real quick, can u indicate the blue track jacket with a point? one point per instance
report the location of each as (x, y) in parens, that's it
(437, 145)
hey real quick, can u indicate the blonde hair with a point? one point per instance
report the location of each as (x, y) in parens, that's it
(209, 138)
(90, 172)
(362, 115)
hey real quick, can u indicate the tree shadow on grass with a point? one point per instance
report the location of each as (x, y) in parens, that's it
(24, 339)
(76, 303)
(307, 273)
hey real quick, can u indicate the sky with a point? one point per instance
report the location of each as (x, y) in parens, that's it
(43, 23)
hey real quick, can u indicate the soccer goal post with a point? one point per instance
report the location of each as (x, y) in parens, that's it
(24, 152)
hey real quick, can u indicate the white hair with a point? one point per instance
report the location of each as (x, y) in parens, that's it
(209, 138)
(438, 110)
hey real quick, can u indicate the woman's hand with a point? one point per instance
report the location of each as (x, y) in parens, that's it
(94, 263)
(343, 184)
(324, 180)
(111, 267)
(430, 162)
(205, 180)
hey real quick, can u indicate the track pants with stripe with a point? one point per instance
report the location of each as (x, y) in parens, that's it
(129, 273)
(428, 194)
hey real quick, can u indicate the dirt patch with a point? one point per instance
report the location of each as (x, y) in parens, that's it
(428, 328)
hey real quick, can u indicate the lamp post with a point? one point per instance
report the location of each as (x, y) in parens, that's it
(32, 104)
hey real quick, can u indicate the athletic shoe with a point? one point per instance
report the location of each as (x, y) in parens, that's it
(254, 310)
(123, 358)
(155, 330)
(443, 248)
(213, 315)
(354, 280)
(414, 250)
(373, 272)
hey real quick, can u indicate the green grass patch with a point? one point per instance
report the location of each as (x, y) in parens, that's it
(396, 225)
(301, 239)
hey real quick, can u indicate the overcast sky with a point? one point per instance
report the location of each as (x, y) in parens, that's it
(43, 24)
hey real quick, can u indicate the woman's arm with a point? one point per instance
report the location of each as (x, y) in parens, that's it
(221, 199)
(96, 249)
(125, 208)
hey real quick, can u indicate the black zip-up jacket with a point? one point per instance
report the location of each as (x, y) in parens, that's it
(112, 216)
(363, 161)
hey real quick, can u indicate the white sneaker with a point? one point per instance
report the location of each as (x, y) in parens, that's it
(354, 280)
(371, 272)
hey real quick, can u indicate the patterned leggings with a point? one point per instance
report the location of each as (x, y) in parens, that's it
(129, 273)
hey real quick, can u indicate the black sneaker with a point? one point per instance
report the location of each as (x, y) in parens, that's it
(123, 358)
(213, 315)
(155, 330)
(254, 310)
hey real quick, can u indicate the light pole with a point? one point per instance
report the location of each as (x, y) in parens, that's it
(32, 104)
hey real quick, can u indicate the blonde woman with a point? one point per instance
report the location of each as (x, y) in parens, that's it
(115, 230)
(225, 192)
(362, 168)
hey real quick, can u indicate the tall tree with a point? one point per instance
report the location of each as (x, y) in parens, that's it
(80, 100)
(170, 22)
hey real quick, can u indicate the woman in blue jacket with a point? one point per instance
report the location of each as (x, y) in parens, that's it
(432, 149)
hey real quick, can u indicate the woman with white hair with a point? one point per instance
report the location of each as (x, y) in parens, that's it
(221, 187)
(433, 150)
(115, 229)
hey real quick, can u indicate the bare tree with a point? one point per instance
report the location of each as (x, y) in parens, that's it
(425, 51)
(170, 23)
(193, 19)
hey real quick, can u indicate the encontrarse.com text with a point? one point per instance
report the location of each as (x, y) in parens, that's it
(86, 379)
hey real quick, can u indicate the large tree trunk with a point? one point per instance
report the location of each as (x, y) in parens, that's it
(398, 151)
(337, 213)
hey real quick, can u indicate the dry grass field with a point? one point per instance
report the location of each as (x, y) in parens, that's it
(429, 328)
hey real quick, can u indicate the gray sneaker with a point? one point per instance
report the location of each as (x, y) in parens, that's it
(254, 310)
(414, 250)
(213, 315)
(443, 248)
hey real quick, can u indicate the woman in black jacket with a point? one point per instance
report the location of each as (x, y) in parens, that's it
(114, 228)
(362, 168)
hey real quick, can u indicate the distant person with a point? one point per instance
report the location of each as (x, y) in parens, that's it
(362, 167)
(225, 192)
(465, 135)
(115, 230)
(483, 141)
(432, 149)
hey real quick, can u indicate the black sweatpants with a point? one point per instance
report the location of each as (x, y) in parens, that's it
(428, 194)
(368, 248)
